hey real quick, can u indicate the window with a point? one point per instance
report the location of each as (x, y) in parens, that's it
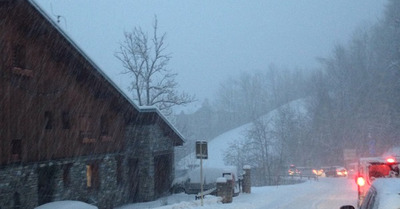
(86, 129)
(92, 176)
(66, 174)
(105, 129)
(65, 117)
(19, 54)
(104, 124)
(48, 118)
(378, 171)
(19, 62)
(16, 149)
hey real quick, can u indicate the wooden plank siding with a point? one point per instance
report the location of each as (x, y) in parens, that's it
(53, 103)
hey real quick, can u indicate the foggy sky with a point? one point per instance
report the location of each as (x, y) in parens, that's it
(211, 40)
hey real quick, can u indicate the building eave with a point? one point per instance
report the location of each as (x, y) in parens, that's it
(178, 137)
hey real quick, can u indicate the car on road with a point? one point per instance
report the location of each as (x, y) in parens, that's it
(190, 182)
(293, 170)
(336, 171)
(384, 193)
(318, 171)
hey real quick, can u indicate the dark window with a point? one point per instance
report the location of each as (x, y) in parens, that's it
(16, 149)
(16, 146)
(19, 56)
(92, 176)
(48, 117)
(104, 125)
(66, 174)
(65, 117)
(86, 129)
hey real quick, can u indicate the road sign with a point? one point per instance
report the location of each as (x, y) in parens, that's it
(201, 150)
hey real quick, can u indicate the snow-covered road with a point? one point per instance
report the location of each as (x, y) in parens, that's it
(326, 193)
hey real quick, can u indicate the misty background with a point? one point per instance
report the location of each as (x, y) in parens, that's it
(245, 59)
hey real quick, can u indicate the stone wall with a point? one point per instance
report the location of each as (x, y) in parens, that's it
(24, 180)
(19, 183)
(145, 142)
(18, 186)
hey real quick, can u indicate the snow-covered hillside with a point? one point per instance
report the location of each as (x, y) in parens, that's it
(219, 145)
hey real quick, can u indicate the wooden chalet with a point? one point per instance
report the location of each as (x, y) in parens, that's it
(67, 132)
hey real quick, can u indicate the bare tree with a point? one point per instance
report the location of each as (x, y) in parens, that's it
(145, 59)
(261, 140)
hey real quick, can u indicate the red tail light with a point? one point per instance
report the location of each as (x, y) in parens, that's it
(360, 181)
(390, 160)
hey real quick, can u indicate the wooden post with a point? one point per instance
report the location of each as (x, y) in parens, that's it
(224, 189)
(247, 179)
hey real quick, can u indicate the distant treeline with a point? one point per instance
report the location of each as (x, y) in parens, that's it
(354, 97)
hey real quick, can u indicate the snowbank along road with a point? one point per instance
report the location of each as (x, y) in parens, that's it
(327, 193)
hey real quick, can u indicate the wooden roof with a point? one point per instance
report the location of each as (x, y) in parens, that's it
(37, 21)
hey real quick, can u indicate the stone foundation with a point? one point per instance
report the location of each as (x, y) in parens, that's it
(20, 184)
(27, 186)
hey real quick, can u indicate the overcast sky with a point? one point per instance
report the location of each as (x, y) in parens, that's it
(211, 40)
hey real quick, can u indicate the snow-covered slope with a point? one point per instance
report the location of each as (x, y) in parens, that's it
(219, 145)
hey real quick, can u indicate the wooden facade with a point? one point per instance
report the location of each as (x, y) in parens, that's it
(55, 102)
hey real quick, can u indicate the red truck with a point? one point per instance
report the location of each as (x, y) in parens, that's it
(374, 167)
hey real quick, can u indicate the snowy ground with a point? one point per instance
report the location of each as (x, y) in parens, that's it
(325, 193)
(67, 204)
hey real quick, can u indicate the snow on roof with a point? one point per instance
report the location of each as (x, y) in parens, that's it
(211, 174)
(372, 160)
(246, 167)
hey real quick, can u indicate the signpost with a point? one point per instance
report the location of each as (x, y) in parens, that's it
(201, 153)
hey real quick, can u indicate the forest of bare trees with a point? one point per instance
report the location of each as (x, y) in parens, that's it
(353, 101)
